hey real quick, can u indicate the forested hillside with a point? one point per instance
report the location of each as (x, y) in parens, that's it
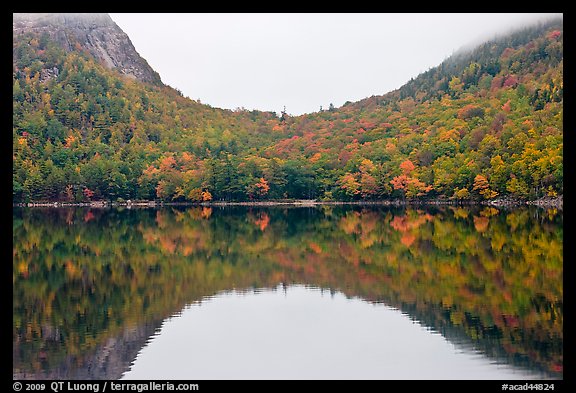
(483, 124)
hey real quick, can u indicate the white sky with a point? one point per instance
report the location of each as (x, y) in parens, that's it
(301, 61)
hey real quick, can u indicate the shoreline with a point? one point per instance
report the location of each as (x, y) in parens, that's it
(544, 202)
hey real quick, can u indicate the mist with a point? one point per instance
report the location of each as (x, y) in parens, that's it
(303, 61)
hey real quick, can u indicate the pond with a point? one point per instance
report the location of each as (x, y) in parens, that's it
(324, 292)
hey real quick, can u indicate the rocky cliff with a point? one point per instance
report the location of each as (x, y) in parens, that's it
(96, 33)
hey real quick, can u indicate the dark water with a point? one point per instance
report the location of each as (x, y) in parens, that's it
(272, 293)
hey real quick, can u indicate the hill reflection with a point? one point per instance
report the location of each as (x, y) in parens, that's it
(91, 286)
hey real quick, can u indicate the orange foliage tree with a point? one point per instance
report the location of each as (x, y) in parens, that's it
(408, 183)
(482, 187)
(258, 189)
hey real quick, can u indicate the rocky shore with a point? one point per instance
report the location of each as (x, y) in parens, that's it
(544, 202)
(556, 202)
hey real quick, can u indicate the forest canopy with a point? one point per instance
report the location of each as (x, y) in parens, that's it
(483, 124)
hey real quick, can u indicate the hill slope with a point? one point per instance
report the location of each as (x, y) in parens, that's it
(483, 124)
(95, 33)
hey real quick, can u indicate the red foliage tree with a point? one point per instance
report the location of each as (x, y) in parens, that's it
(510, 81)
(88, 193)
(554, 35)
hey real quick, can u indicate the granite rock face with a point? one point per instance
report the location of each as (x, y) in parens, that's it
(96, 33)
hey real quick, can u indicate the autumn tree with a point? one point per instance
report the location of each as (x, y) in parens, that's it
(369, 187)
(349, 184)
(482, 187)
(88, 193)
(408, 184)
(258, 190)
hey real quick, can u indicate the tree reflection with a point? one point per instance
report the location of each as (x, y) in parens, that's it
(83, 277)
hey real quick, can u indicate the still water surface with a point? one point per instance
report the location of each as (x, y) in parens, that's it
(305, 333)
(329, 292)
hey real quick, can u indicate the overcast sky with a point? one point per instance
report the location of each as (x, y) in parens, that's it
(301, 61)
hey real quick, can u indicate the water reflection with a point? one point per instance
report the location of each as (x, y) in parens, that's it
(92, 286)
(305, 333)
